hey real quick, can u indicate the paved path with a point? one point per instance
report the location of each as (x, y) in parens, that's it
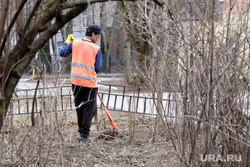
(26, 88)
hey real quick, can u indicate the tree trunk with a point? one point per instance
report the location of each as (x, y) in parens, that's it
(127, 55)
(143, 51)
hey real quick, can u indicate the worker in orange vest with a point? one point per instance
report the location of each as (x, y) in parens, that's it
(86, 63)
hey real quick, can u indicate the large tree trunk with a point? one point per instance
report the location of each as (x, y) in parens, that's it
(139, 37)
(127, 62)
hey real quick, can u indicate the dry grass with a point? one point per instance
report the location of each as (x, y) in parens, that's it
(54, 142)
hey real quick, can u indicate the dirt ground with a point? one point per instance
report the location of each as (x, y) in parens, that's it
(108, 149)
(121, 149)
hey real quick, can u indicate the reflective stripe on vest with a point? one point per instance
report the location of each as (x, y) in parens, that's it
(84, 77)
(83, 63)
(83, 66)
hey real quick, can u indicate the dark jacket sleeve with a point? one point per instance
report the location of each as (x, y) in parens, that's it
(66, 49)
(98, 62)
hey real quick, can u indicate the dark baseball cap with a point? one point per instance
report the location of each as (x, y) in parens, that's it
(95, 28)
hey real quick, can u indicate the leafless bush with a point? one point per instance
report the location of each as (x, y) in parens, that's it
(43, 143)
(202, 55)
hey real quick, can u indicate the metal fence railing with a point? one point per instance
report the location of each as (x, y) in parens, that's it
(135, 99)
(115, 97)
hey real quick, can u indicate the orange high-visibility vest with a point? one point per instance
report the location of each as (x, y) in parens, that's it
(83, 63)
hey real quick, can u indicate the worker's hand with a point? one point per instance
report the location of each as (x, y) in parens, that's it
(69, 39)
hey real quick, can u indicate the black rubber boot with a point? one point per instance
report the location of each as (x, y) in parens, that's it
(84, 137)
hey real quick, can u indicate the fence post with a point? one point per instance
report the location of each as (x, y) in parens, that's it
(138, 97)
(107, 106)
(61, 97)
(123, 93)
(115, 101)
(27, 101)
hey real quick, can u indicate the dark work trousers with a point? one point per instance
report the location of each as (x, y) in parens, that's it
(86, 106)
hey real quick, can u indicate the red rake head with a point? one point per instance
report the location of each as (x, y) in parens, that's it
(110, 119)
